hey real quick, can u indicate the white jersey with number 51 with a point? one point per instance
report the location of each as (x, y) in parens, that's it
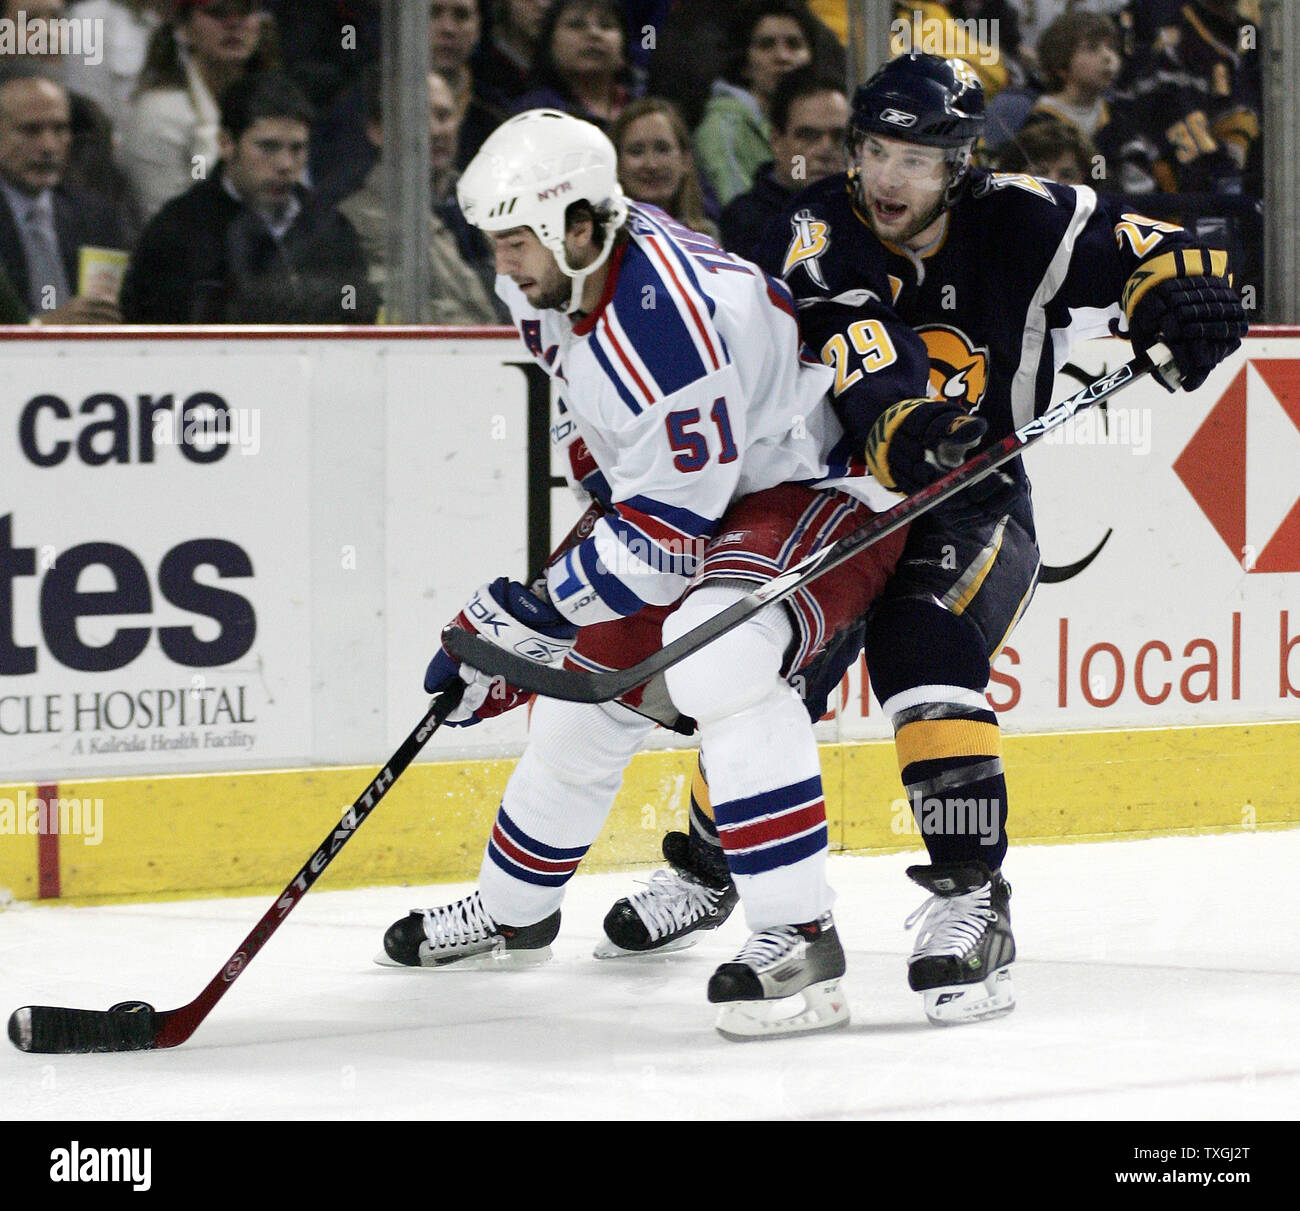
(688, 389)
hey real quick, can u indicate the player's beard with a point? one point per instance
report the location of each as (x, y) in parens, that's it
(901, 238)
(555, 297)
(925, 221)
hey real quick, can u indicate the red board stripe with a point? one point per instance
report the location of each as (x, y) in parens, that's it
(48, 885)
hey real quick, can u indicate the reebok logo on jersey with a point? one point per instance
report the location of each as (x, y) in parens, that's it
(811, 240)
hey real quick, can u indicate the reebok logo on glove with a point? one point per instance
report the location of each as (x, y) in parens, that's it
(485, 615)
(512, 616)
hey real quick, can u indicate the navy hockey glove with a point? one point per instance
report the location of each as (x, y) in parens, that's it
(916, 441)
(1185, 300)
(513, 616)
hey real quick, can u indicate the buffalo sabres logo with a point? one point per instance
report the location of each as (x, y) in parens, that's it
(966, 75)
(1020, 180)
(959, 372)
(811, 239)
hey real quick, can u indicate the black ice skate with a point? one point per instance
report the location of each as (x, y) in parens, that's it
(785, 981)
(963, 954)
(676, 905)
(464, 936)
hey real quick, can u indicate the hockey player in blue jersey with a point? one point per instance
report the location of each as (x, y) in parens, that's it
(711, 444)
(994, 275)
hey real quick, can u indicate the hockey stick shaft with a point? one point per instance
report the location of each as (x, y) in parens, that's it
(50, 1029)
(578, 686)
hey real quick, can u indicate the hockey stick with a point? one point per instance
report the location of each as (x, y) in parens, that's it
(574, 685)
(137, 1026)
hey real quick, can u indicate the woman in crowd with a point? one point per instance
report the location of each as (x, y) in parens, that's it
(169, 140)
(581, 65)
(655, 164)
(769, 39)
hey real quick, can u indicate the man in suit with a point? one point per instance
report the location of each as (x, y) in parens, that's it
(44, 222)
(63, 48)
(250, 244)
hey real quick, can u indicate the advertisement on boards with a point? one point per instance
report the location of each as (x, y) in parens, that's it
(153, 559)
(1169, 527)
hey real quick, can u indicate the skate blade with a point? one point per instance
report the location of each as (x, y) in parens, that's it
(815, 1008)
(488, 960)
(959, 1004)
(605, 949)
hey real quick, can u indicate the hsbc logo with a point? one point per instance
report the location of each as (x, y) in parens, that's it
(898, 117)
(1256, 423)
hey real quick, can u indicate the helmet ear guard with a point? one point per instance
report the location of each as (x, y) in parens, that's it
(959, 161)
(528, 173)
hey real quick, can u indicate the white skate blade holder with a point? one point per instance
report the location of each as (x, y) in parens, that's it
(496, 959)
(815, 1008)
(605, 949)
(958, 1004)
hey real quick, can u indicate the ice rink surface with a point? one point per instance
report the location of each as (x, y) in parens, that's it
(1157, 981)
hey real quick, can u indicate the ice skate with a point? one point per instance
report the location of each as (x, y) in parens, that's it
(677, 904)
(963, 954)
(464, 936)
(785, 981)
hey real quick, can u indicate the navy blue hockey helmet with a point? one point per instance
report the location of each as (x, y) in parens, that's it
(920, 99)
(927, 100)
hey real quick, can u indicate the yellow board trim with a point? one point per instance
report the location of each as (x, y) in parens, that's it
(248, 833)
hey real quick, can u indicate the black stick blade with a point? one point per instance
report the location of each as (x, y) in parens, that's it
(50, 1030)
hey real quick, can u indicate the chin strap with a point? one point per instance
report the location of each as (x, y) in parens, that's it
(579, 276)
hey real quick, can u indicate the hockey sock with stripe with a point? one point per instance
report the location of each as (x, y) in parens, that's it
(765, 779)
(555, 805)
(702, 823)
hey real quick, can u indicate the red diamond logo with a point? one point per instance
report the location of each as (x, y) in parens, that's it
(1257, 417)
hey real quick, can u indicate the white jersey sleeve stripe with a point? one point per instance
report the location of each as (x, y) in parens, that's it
(618, 378)
(610, 334)
(705, 336)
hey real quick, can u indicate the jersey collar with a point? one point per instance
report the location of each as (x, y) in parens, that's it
(588, 321)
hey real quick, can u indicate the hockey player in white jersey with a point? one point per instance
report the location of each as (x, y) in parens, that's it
(708, 441)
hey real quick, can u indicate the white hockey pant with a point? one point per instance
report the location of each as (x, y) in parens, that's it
(761, 756)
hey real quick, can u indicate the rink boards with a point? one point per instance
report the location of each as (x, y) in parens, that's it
(226, 556)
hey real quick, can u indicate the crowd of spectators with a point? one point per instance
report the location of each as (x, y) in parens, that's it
(227, 152)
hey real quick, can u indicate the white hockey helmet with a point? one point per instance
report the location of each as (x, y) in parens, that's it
(531, 169)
